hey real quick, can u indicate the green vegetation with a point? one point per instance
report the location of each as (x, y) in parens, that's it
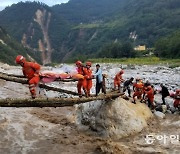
(117, 50)
(139, 61)
(100, 28)
(84, 26)
(169, 46)
(18, 19)
(101, 23)
(9, 49)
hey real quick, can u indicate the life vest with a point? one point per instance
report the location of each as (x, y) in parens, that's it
(138, 86)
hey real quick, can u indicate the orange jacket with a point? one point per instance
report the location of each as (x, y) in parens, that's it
(138, 86)
(176, 96)
(150, 92)
(89, 74)
(30, 69)
(118, 78)
(82, 71)
(89, 80)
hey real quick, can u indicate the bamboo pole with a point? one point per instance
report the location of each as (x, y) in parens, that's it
(54, 102)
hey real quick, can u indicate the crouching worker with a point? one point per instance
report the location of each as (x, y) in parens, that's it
(31, 72)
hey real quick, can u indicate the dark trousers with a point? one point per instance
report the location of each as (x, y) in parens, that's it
(100, 86)
(163, 100)
(127, 88)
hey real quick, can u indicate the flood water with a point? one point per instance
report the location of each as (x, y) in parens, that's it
(55, 130)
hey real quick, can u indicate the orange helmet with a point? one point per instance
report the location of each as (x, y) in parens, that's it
(88, 63)
(121, 72)
(78, 63)
(20, 59)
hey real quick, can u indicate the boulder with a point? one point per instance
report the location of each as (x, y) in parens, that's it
(117, 118)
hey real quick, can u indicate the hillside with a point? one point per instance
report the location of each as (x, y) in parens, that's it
(81, 29)
(9, 49)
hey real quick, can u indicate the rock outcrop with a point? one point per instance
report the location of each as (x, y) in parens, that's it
(114, 119)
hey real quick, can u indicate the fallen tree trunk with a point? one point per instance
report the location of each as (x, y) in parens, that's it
(54, 102)
(25, 81)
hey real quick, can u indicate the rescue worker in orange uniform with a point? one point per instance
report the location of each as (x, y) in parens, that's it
(118, 79)
(138, 90)
(88, 78)
(31, 72)
(149, 94)
(82, 83)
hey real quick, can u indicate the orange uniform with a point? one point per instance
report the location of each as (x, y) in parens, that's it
(149, 91)
(118, 79)
(31, 72)
(138, 90)
(82, 83)
(176, 96)
(89, 81)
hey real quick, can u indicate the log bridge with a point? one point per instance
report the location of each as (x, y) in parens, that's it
(49, 102)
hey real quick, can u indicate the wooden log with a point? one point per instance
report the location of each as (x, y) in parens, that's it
(13, 79)
(54, 102)
(25, 81)
(13, 75)
(58, 89)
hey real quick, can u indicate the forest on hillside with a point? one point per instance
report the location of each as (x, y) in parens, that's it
(10, 48)
(90, 29)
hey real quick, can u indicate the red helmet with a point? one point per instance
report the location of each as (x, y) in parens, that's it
(78, 63)
(121, 72)
(20, 59)
(148, 88)
(88, 63)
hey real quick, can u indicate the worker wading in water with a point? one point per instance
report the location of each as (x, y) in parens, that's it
(31, 72)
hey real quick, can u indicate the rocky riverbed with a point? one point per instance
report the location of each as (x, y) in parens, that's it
(63, 130)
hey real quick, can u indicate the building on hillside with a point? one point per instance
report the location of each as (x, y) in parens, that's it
(140, 48)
